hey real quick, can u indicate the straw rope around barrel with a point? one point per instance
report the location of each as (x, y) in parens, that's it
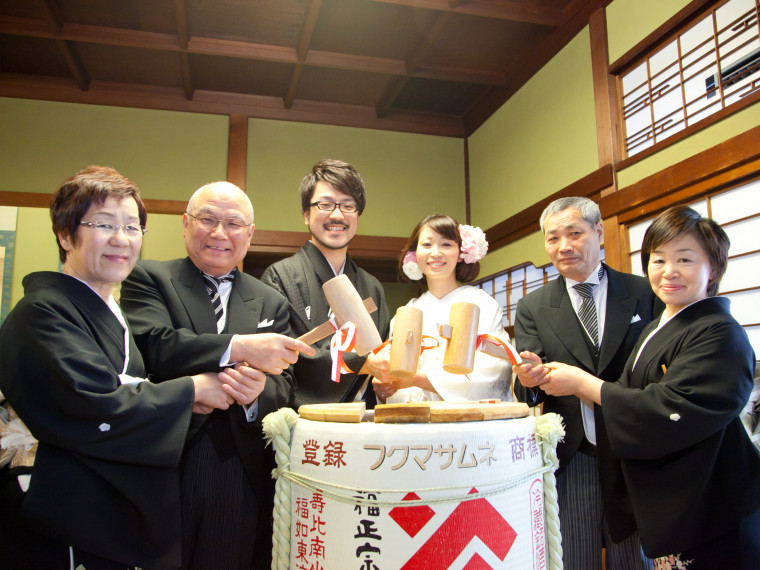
(278, 431)
(549, 431)
(278, 427)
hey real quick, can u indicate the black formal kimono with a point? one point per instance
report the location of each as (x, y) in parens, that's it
(675, 460)
(170, 313)
(105, 479)
(300, 278)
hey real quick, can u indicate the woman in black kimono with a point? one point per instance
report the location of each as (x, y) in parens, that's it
(674, 458)
(104, 489)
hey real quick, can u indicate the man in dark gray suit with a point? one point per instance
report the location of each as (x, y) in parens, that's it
(590, 317)
(201, 313)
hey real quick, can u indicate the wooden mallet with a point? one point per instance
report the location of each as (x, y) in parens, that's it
(406, 342)
(462, 335)
(347, 306)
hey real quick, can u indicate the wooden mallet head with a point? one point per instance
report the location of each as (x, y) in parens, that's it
(462, 334)
(406, 342)
(459, 356)
(347, 306)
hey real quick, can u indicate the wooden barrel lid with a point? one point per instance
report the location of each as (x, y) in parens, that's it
(416, 412)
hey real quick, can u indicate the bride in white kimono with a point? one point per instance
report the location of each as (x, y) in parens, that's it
(446, 254)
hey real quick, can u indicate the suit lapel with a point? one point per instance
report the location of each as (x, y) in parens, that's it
(192, 292)
(244, 309)
(562, 319)
(621, 309)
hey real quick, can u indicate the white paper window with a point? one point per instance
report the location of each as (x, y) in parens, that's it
(708, 67)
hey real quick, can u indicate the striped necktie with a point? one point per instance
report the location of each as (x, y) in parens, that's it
(212, 288)
(587, 312)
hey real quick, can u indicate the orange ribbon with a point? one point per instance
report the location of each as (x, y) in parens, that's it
(423, 347)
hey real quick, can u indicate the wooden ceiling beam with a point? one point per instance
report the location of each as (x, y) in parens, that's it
(386, 100)
(302, 50)
(412, 61)
(519, 74)
(295, 77)
(183, 32)
(244, 50)
(53, 16)
(183, 37)
(218, 103)
(68, 51)
(431, 37)
(307, 31)
(496, 9)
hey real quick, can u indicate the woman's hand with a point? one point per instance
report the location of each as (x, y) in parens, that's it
(378, 365)
(565, 380)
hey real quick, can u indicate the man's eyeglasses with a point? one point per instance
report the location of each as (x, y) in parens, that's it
(130, 230)
(345, 207)
(209, 223)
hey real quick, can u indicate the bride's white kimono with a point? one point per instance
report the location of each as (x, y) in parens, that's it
(490, 378)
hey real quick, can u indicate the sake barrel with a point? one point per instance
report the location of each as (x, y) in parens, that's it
(416, 496)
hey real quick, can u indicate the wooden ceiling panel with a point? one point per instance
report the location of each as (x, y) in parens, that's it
(482, 43)
(22, 9)
(123, 14)
(130, 65)
(226, 74)
(274, 22)
(439, 97)
(354, 88)
(32, 56)
(437, 67)
(370, 28)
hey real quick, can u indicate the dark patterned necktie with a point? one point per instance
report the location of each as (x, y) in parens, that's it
(587, 312)
(212, 288)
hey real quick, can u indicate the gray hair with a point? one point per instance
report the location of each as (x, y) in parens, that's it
(588, 209)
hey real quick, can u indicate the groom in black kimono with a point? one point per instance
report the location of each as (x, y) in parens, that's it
(332, 199)
(201, 313)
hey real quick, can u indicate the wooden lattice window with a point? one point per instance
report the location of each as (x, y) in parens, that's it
(706, 68)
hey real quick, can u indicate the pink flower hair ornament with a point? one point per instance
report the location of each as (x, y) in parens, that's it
(410, 267)
(474, 244)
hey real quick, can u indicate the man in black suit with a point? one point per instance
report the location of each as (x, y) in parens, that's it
(549, 326)
(201, 313)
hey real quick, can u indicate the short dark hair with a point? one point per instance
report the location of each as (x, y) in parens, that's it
(93, 184)
(448, 227)
(340, 175)
(680, 220)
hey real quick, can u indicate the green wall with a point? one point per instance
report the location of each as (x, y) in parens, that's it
(170, 154)
(166, 153)
(425, 174)
(538, 142)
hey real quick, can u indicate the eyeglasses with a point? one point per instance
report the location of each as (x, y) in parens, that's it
(209, 223)
(130, 230)
(345, 207)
